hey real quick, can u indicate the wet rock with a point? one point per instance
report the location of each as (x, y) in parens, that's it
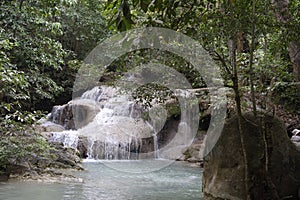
(165, 135)
(265, 137)
(74, 115)
(291, 127)
(4, 176)
(63, 116)
(78, 167)
(31, 175)
(82, 146)
(52, 176)
(66, 157)
(181, 158)
(194, 152)
(48, 126)
(47, 135)
(193, 160)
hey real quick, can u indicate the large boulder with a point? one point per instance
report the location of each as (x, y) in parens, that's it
(75, 114)
(273, 161)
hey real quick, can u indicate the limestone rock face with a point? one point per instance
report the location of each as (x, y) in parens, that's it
(74, 115)
(194, 153)
(273, 161)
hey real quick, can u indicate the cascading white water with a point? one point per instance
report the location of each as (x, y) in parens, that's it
(155, 141)
(68, 138)
(108, 124)
(115, 132)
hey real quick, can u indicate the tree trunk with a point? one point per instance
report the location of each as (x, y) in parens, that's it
(233, 47)
(251, 73)
(294, 52)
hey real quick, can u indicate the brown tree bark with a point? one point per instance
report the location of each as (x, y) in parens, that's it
(294, 52)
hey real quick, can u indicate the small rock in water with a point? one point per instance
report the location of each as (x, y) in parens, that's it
(295, 138)
(296, 131)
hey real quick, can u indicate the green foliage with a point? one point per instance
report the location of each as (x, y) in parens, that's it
(214, 24)
(83, 27)
(42, 44)
(19, 143)
(286, 94)
(178, 15)
(141, 57)
(14, 83)
(152, 93)
(173, 109)
(39, 40)
(29, 54)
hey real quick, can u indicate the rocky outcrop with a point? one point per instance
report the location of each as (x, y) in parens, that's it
(82, 146)
(164, 136)
(143, 145)
(74, 115)
(273, 161)
(43, 165)
(194, 152)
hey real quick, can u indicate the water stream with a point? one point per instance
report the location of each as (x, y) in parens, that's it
(109, 125)
(178, 181)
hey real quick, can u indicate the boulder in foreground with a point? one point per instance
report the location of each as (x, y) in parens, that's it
(273, 161)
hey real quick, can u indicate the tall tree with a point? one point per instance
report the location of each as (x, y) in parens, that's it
(289, 20)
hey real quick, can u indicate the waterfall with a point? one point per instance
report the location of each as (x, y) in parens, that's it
(155, 141)
(106, 123)
(114, 129)
(68, 138)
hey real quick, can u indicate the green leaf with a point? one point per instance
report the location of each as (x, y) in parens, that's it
(7, 106)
